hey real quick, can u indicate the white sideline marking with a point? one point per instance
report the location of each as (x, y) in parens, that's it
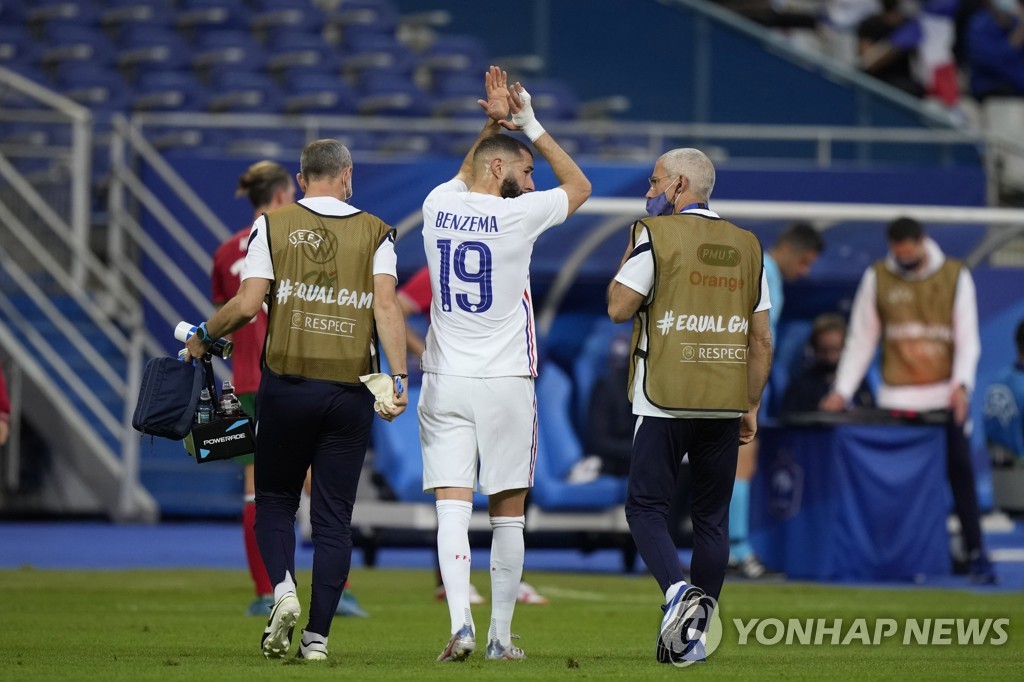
(1013, 554)
(581, 595)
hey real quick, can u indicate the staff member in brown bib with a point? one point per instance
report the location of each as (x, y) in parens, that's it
(923, 308)
(327, 272)
(701, 354)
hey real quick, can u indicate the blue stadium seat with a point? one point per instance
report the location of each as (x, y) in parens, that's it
(297, 50)
(559, 449)
(317, 93)
(92, 86)
(43, 13)
(355, 140)
(170, 91)
(364, 17)
(591, 363)
(276, 15)
(228, 48)
(13, 13)
(195, 17)
(152, 48)
(553, 100)
(122, 14)
(452, 55)
(67, 42)
(389, 93)
(17, 49)
(244, 92)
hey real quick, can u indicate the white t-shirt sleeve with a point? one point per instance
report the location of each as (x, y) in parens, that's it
(862, 334)
(966, 341)
(385, 261)
(543, 210)
(257, 257)
(766, 297)
(637, 272)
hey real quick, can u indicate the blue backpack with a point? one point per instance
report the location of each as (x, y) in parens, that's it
(168, 397)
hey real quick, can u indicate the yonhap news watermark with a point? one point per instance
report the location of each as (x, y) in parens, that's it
(872, 632)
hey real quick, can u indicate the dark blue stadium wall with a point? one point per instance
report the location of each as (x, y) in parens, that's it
(652, 52)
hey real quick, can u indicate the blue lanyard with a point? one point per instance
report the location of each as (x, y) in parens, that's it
(692, 206)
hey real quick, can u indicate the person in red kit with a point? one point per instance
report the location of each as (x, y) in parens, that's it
(415, 296)
(268, 186)
(5, 410)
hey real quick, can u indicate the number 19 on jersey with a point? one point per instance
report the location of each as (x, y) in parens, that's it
(453, 261)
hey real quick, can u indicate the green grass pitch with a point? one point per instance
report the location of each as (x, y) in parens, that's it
(187, 625)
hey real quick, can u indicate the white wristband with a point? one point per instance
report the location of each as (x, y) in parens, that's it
(533, 129)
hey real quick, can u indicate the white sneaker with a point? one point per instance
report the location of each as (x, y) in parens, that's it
(277, 637)
(312, 647)
(528, 595)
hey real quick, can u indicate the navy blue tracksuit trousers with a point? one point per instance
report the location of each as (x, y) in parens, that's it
(302, 423)
(658, 449)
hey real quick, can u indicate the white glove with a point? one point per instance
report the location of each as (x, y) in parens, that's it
(526, 120)
(382, 386)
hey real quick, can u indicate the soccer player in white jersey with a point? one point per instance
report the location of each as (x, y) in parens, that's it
(481, 351)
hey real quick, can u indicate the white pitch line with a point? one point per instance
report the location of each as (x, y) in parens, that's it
(1015, 555)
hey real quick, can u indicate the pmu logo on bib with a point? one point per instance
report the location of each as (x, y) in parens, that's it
(721, 255)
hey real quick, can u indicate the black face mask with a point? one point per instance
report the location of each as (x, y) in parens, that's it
(910, 265)
(826, 367)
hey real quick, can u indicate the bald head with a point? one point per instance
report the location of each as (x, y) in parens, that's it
(695, 166)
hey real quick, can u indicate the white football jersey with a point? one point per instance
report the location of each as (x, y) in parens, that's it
(478, 250)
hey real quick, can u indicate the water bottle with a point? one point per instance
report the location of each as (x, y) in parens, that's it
(230, 406)
(204, 411)
(221, 347)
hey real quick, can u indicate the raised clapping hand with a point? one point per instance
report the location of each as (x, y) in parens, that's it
(496, 106)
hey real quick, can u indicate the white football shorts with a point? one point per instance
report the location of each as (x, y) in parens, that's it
(465, 420)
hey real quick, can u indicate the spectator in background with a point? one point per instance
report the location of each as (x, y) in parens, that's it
(838, 26)
(609, 429)
(886, 46)
(921, 306)
(790, 258)
(995, 49)
(805, 391)
(1004, 400)
(5, 410)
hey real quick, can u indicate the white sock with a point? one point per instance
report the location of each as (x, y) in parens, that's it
(453, 556)
(310, 637)
(507, 553)
(302, 516)
(284, 587)
(673, 589)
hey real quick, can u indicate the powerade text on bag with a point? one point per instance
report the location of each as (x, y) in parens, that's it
(167, 398)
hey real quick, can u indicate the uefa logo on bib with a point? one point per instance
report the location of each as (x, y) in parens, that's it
(699, 636)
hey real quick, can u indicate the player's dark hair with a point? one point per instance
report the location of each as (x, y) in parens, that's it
(497, 144)
(802, 237)
(261, 180)
(1019, 338)
(903, 229)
